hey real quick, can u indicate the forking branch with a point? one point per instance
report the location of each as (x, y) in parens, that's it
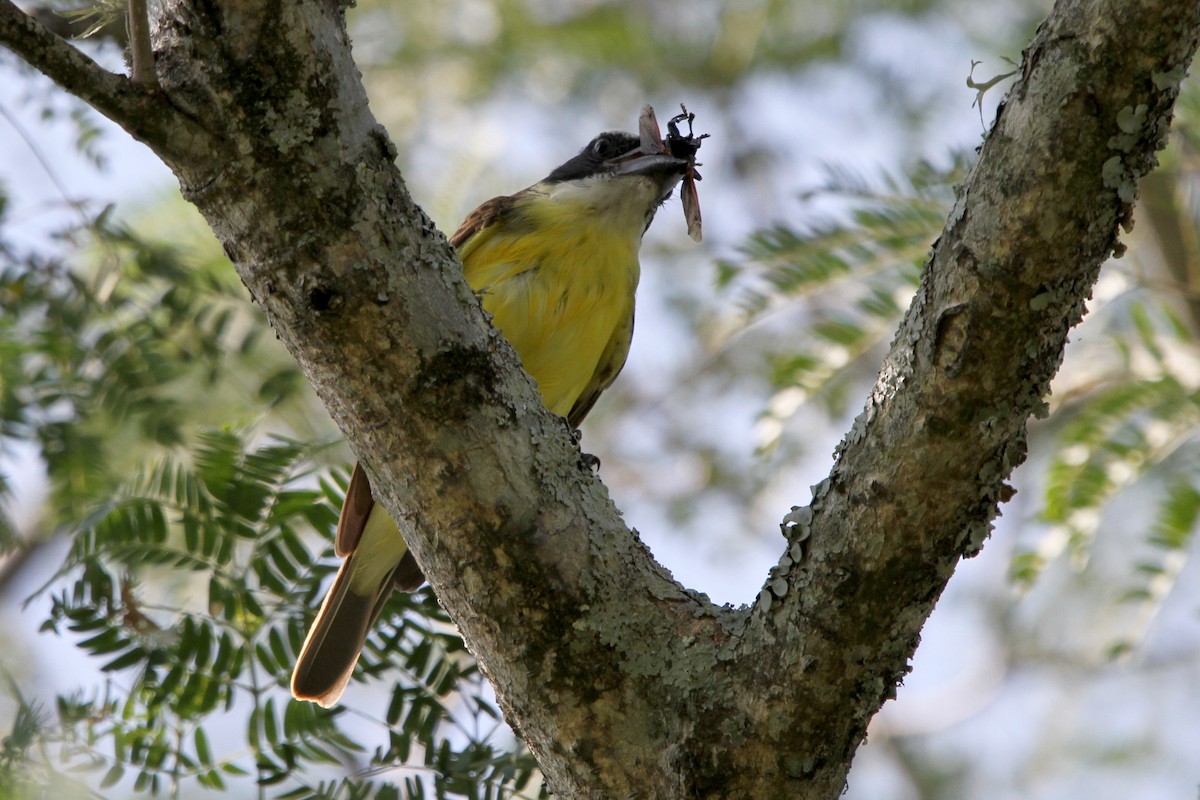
(144, 113)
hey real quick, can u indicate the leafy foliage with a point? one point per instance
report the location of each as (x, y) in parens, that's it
(576, 47)
(851, 276)
(116, 371)
(1129, 432)
(93, 19)
(103, 365)
(239, 522)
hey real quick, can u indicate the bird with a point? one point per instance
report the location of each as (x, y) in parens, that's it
(556, 266)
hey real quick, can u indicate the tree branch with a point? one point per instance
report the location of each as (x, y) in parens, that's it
(139, 109)
(922, 473)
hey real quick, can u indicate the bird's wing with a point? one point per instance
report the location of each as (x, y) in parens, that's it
(356, 511)
(612, 360)
(356, 508)
(487, 214)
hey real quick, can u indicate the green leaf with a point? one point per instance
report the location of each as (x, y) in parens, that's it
(112, 776)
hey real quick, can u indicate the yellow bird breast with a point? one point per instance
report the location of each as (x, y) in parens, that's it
(559, 281)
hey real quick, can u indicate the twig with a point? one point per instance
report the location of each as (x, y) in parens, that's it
(141, 52)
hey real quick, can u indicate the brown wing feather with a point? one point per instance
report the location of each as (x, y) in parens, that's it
(487, 214)
(355, 510)
(408, 576)
(327, 659)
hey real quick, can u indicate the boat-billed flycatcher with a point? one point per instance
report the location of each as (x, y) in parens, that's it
(556, 265)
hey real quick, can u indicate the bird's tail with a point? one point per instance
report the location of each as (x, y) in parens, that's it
(377, 560)
(336, 638)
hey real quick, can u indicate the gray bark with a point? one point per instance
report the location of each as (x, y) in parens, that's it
(624, 683)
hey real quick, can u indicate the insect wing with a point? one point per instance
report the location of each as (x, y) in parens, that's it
(691, 207)
(648, 131)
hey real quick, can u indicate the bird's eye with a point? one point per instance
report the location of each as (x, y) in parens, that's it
(602, 147)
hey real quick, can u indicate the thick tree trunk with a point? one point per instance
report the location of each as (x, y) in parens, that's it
(622, 682)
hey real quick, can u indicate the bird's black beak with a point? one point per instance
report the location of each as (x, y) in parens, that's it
(655, 165)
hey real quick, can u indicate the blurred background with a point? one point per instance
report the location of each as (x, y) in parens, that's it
(168, 481)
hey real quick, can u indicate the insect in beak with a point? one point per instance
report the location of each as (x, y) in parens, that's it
(681, 147)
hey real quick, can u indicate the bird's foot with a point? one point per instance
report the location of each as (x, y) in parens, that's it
(586, 460)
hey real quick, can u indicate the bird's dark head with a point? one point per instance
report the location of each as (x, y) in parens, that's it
(618, 154)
